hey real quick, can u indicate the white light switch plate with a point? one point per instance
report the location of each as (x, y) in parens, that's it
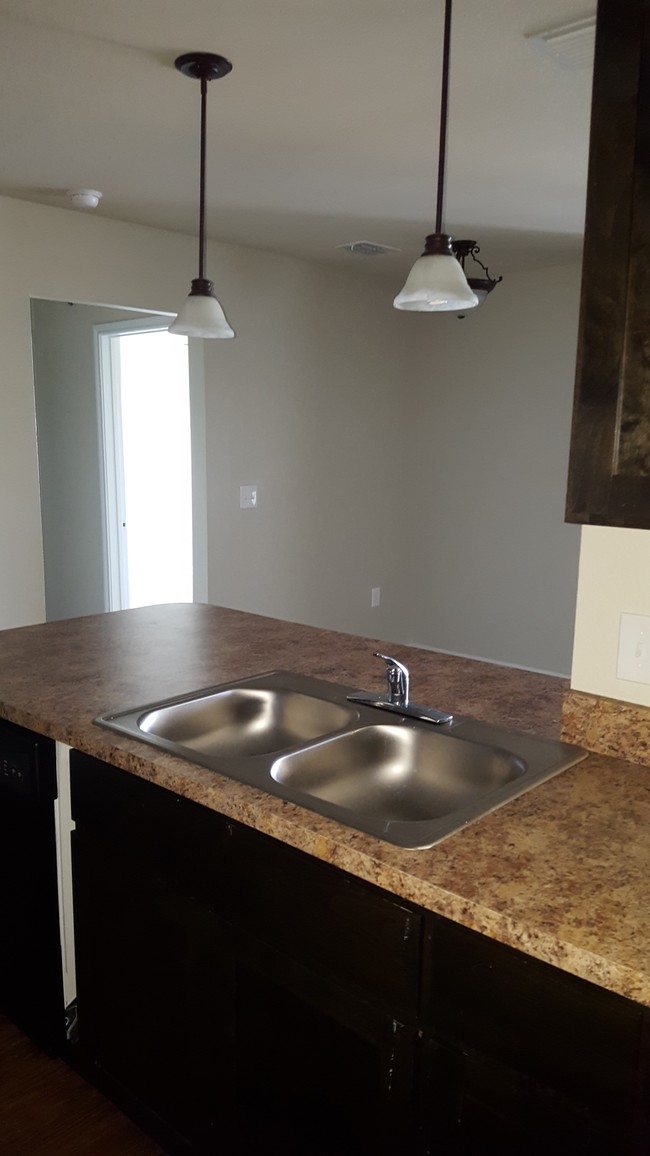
(247, 497)
(634, 648)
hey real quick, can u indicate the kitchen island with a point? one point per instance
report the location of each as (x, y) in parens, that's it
(560, 873)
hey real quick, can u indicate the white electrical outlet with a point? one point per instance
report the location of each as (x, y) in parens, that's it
(247, 497)
(634, 648)
(375, 596)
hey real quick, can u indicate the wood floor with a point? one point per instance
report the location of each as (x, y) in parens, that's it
(48, 1110)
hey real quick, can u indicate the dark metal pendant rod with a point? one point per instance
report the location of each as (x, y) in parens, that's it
(202, 231)
(444, 104)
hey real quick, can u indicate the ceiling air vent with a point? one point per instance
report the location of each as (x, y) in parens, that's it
(367, 248)
(567, 45)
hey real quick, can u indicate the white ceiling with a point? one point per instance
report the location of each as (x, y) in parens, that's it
(325, 131)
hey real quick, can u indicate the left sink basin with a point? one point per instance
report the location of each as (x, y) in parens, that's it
(246, 721)
(240, 720)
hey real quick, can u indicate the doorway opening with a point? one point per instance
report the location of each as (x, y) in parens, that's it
(146, 432)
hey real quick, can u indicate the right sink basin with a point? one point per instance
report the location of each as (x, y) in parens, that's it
(398, 773)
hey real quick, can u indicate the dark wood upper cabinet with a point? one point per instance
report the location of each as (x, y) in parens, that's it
(609, 470)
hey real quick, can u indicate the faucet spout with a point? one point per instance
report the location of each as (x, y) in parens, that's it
(397, 678)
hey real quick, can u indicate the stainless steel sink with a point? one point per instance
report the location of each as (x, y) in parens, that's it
(403, 780)
(245, 721)
(403, 774)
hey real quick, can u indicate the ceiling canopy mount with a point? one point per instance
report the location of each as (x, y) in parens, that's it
(203, 65)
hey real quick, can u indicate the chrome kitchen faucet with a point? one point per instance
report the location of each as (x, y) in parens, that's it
(397, 695)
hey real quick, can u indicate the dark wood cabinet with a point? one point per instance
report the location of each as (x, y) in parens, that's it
(232, 990)
(236, 994)
(609, 471)
(31, 978)
(352, 934)
(500, 1111)
(317, 1071)
(540, 1060)
(148, 956)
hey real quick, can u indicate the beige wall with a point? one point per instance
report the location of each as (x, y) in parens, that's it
(442, 452)
(57, 254)
(614, 579)
(428, 461)
(314, 417)
(299, 404)
(491, 427)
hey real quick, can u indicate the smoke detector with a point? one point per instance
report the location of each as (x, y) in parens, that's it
(368, 248)
(84, 198)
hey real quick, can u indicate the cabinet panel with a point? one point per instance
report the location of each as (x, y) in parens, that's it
(173, 836)
(505, 1112)
(318, 1071)
(325, 918)
(609, 471)
(565, 1032)
(31, 981)
(154, 972)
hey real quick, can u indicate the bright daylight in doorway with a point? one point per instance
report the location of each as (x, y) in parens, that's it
(153, 467)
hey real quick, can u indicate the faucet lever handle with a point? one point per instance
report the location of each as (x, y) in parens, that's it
(397, 676)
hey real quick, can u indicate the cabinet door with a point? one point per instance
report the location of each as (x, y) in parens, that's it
(154, 979)
(561, 1032)
(346, 930)
(484, 1108)
(31, 983)
(318, 1072)
(539, 1060)
(609, 472)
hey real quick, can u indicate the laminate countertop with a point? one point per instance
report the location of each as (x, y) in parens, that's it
(562, 873)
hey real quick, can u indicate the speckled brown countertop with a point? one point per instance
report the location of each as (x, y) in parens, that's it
(562, 872)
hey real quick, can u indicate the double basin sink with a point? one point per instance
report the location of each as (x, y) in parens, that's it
(406, 781)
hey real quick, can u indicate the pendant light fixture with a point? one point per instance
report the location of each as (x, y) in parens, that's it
(201, 314)
(436, 281)
(480, 285)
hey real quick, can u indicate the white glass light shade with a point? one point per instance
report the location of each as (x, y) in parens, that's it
(436, 283)
(481, 294)
(201, 315)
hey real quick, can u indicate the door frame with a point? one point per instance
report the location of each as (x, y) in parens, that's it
(111, 466)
